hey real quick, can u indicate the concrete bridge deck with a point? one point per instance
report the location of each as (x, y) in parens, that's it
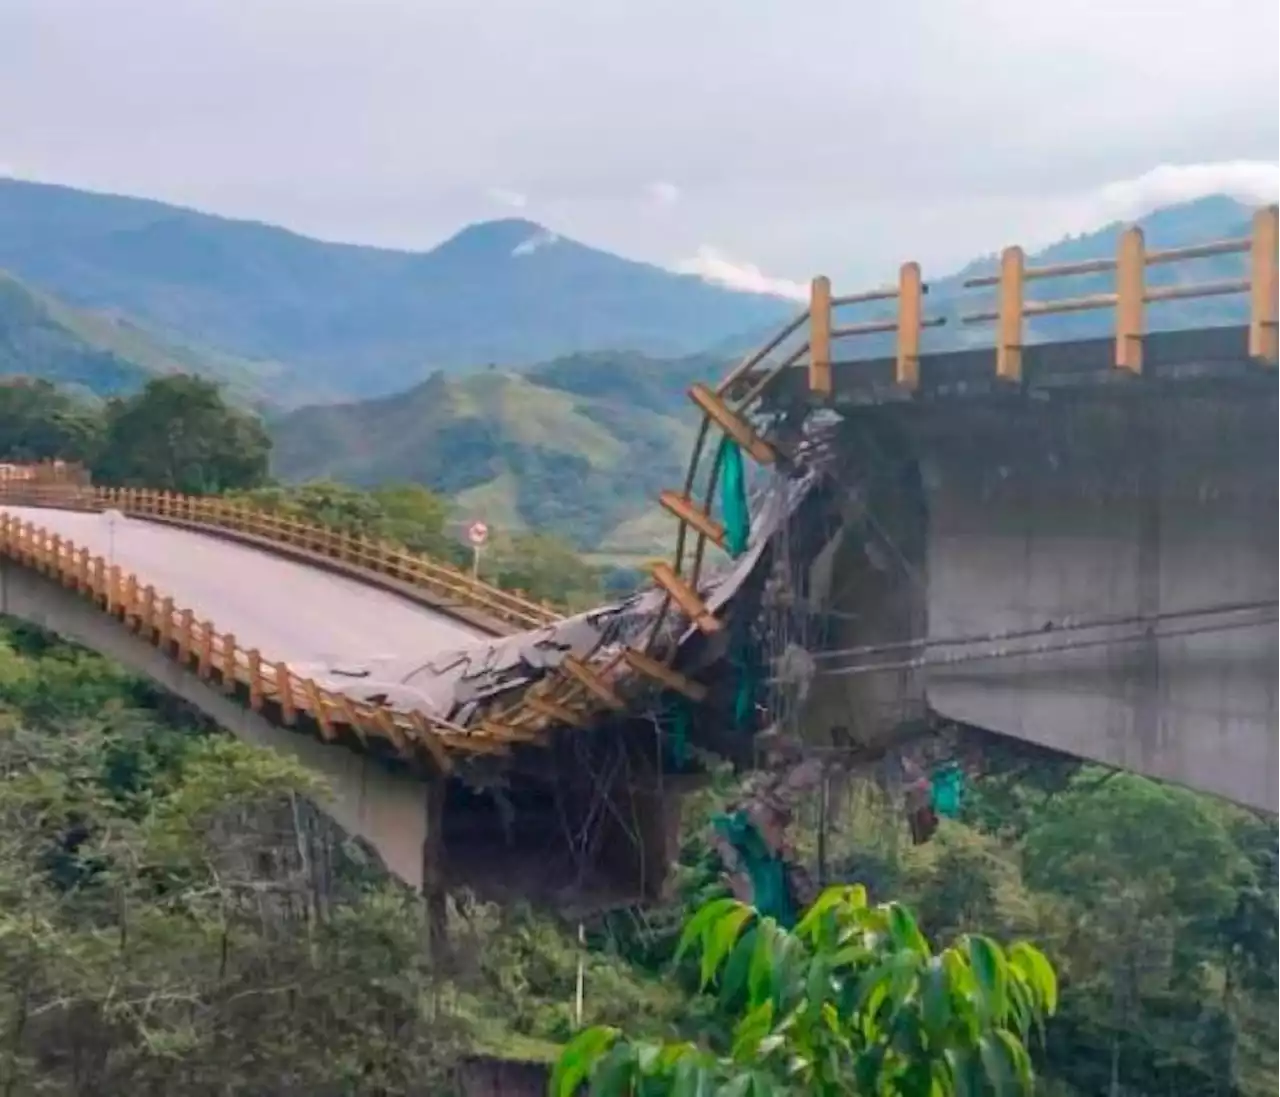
(301, 615)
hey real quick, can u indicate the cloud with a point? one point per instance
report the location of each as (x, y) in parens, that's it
(662, 193)
(711, 266)
(670, 100)
(535, 242)
(503, 196)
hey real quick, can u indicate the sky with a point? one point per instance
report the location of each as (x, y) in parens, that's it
(755, 142)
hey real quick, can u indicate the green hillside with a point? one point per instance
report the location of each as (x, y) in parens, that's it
(45, 338)
(567, 448)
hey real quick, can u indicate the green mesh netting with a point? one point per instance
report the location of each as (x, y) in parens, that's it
(742, 659)
(947, 791)
(733, 498)
(770, 894)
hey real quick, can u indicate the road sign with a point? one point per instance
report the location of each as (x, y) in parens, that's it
(478, 533)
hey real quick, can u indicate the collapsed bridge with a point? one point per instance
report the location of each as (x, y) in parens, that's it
(1072, 544)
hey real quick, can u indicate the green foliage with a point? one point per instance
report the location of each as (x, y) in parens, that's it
(176, 917)
(854, 1000)
(545, 567)
(541, 565)
(40, 422)
(561, 451)
(179, 434)
(406, 514)
(37, 342)
(44, 338)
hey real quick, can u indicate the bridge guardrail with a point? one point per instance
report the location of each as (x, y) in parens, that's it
(217, 658)
(1131, 294)
(447, 583)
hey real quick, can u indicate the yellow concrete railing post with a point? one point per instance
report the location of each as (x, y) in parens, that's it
(1264, 287)
(1131, 290)
(228, 663)
(910, 318)
(820, 336)
(1009, 320)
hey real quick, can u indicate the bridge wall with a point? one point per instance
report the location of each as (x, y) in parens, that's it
(1142, 501)
(387, 810)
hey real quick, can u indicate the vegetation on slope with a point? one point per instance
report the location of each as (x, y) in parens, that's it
(42, 337)
(175, 919)
(577, 446)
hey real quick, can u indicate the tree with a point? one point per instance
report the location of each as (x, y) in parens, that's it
(178, 434)
(415, 517)
(39, 422)
(853, 1000)
(545, 567)
(406, 514)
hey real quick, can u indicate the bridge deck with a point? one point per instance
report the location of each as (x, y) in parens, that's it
(289, 611)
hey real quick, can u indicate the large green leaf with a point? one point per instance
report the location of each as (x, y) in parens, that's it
(719, 938)
(1032, 965)
(991, 973)
(579, 1058)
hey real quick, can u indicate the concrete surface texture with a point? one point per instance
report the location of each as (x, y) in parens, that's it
(304, 616)
(1159, 506)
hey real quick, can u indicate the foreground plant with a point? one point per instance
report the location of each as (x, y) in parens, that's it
(852, 1001)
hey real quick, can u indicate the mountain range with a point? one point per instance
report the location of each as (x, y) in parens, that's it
(338, 321)
(538, 381)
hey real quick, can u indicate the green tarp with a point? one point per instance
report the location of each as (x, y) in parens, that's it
(770, 892)
(733, 498)
(947, 790)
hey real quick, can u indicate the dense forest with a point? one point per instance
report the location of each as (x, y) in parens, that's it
(176, 918)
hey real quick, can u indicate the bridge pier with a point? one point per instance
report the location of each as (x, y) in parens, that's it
(871, 576)
(1148, 509)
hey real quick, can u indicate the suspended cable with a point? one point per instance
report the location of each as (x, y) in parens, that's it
(1064, 624)
(1021, 653)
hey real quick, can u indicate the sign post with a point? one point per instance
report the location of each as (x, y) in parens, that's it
(478, 535)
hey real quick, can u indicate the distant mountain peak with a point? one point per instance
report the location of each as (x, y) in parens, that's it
(500, 237)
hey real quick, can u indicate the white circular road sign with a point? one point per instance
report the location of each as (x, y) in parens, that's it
(477, 533)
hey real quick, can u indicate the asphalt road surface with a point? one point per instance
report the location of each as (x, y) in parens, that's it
(287, 610)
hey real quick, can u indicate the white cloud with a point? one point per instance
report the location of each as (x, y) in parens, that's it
(503, 196)
(1253, 182)
(534, 243)
(711, 266)
(662, 193)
